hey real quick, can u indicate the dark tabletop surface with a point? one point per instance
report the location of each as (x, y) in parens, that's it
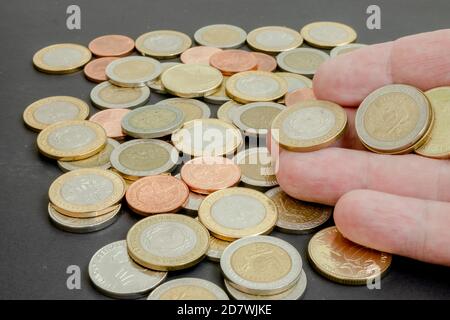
(34, 254)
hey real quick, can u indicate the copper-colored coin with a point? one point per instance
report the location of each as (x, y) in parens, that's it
(264, 62)
(112, 45)
(200, 54)
(110, 120)
(208, 174)
(157, 194)
(95, 70)
(299, 95)
(233, 61)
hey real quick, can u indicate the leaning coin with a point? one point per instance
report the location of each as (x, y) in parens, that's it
(61, 58)
(220, 95)
(274, 39)
(108, 96)
(256, 167)
(188, 289)
(216, 248)
(111, 45)
(95, 69)
(337, 51)
(191, 205)
(255, 119)
(303, 61)
(223, 36)
(114, 274)
(111, 121)
(133, 71)
(191, 108)
(227, 110)
(156, 84)
(163, 44)
(327, 34)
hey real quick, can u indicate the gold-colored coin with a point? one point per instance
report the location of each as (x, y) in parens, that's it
(220, 95)
(327, 34)
(274, 39)
(71, 140)
(156, 85)
(163, 44)
(255, 119)
(61, 58)
(226, 111)
(188, 289)
(44, 112)
(343, 261)
(216, 248)
(191, 108)
(223, 36)
(256, 167)
(309, 125)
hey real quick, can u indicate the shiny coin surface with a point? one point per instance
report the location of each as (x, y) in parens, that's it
(327, 34)
(227, 110)
(295, 81)
(163, 44)
(299, 95)
(133, 71)
(337, 51)
(309, 125)
(343, 261)
(71, 140)
(256, 118)
(233, 61)
(111, 45)
(296, 216)
(61, 58)
(144, 157)
(95, 70)
(111, 121)
(236, 212)
(188, 289)
(256, 167)
(264, 62)
(274, 39)
(152, 121)
(108, 96)
(220, 95)
(254, 86)
(156, 84)
(167, 241)
(194, 138)
(113, 272)
(191, 80)
(303, 61)
(191, 108)
(394, 119)
(223, 36)
(193, 202)
(46, 111)
(261, 265)
(216, 248)
(199, 55)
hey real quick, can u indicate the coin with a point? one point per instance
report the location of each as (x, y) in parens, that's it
(296, 216)
(152, 121)
(113, 272)
(256, 118)
(61, 58)
(337, 51)
(111, 120)
(216, 248)
(327, 34)
(264, 62)
(343, 261)
(111, 45)
(156, 84)
(108, 96)
(191, 108)
(234, 213)
(274, 39)
(144, 157)
(46, 111)
(295, 81)
(303, 61)
(220, 95)
(198, 55)
(254, 86)
(157, 194)
(191, 80)
(207, 137)
(71, 140)
(233, 61)
(309, 125)
(227, 110)
(438, 143)
(133, 71)
(256, 167)
(167, 242)
(99, 160)
(193, 201)
(188, 289)
(208, 174)
(77, 225)
(163, 44)
(394, 119)
(261, 265)
(83, 192)
(299, 95)
(95, 69)
(223, 36)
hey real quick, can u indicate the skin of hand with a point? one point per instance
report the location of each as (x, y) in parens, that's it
(398, 204)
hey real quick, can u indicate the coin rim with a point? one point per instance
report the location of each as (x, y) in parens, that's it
(326, 45)
(204, 108)
(136, 82)
(251, 40)
(199, 40)
(187, 43)
(40, 65)
(283, 66)
(246, 130)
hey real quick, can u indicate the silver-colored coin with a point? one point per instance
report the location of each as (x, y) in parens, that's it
(222, 36)
(273, 39)
(114, 273)
(227, 110)
(133, 71)
(337, 51)
(152, 121)
(256, 167)
(188, 289)
(193, 202)
(109, 96)
(303, 61)
(255, 119)
(156, 84)
(191, 108)
(295, 81)
(216, 248)
(163, 44)
(261, 265)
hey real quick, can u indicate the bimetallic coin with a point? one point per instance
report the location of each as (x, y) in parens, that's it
(343, 261)
(234, 213)
(113, 272)
(223, 36)
(256, 167)
(233, 61)
(216, 248)
(296, 216)
(61, 58)
(112, 45)
(274, 39)
(188, 289)
(199, 55)
(71, 140)
(193, 201)
(261, 265)
(191, 108)
(337, 51)
(95, 70)
(220, 95)
(326, 34)
(163, 44)
(108, 96)
(156, 84)
(303, 61)
(46, 111)
(111, 120)
(133, 71)
(394, 119)
(264, 62)
(167, 242)
(295, 81)
(255, 119)
(254, 86)
(309, 125)
(299, 95)
(227, 110)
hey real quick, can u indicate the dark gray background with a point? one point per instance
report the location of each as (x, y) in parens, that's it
(34, 254)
